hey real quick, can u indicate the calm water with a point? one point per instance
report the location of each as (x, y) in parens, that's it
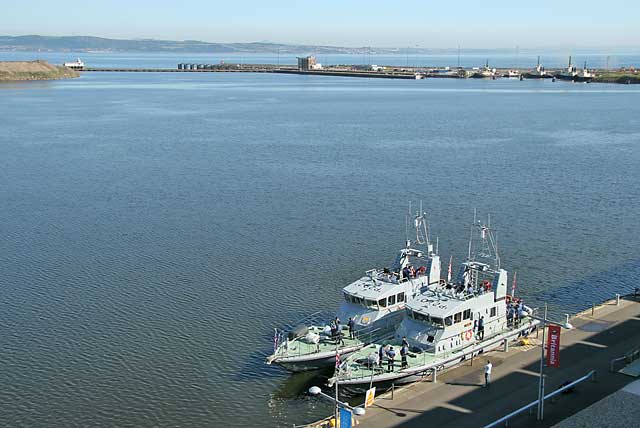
(155, 227)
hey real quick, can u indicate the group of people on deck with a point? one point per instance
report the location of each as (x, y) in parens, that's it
(336, 330)
(470, 289)
(390, 354)
(515, 312)
(406, 272)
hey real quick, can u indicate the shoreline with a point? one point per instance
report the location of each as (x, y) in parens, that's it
(20, 71)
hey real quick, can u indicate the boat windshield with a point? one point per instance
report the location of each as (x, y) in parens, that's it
(371, 304)
(353, 299)
(435, 321)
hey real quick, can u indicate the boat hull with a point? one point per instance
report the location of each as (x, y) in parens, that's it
(414, 374)
(316, 361)
(536, 76)
(574, 78)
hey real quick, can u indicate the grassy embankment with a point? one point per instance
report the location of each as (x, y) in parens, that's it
(33, 70)
(620, 76)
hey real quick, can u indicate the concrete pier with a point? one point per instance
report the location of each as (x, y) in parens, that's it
(459, 398)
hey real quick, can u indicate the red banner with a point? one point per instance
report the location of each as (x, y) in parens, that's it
(553, 346)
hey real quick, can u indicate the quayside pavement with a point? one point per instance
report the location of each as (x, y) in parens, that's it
(458, 398)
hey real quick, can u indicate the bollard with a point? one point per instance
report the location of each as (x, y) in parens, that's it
(567, 318)
(434, 379)
(506, 345)
(393, 389)
(593, 308)
(617, 300)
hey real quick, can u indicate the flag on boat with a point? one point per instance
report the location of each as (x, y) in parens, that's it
(513, 286)
(449, 270)
(337, 360)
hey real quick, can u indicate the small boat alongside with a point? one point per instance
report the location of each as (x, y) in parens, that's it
(373, 305)
(512, 74)
(444, 327)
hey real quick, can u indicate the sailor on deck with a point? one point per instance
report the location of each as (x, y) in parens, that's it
(391, 355)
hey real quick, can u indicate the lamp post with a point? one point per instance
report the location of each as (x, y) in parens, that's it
(545, 322)
(358, 411)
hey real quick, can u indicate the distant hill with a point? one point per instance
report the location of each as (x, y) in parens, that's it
(89, 43)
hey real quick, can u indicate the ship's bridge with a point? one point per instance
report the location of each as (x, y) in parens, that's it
(440, 309)
(378, 290)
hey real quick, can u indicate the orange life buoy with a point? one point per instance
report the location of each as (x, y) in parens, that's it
(468, 334)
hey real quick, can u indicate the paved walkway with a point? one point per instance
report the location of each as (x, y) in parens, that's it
(459, 400)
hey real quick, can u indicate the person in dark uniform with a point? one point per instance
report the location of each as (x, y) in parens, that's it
(380, 354)
(481, 328)
(406, 272)
(352, 328)
(403, 354)
(405, 342)
(391, 355)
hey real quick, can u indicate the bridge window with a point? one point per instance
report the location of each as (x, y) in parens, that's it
(400, 297)
(391, 300)
(371, 304)
(466, 315)
(437, 321)
(419, 317)
(448, 321)
(383, 302)
(493, 312)
(457, 317)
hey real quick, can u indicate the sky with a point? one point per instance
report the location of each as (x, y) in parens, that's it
(399, 23)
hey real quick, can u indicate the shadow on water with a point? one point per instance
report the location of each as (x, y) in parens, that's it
(599, 287)
(297, 384)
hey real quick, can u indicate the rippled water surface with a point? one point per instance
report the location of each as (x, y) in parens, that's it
(154, 228)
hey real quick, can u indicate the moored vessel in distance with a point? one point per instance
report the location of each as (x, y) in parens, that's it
(484, 72)
(512, 74)
(537, 73)
(445, 326)
(373, 308)
(76, 65)
(575, 75)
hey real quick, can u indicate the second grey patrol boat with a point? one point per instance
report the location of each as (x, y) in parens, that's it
(375, 303)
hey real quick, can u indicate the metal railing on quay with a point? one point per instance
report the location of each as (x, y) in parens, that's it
(505, 419)
(628, 358)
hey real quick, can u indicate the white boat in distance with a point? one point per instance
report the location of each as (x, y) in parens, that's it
(376, 304)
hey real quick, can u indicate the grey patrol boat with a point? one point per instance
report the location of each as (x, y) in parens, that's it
(442, 326)
(376, 304)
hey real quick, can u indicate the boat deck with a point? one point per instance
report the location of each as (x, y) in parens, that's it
(359, 368)
(299, 347)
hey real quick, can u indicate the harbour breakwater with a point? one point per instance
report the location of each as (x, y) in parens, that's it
(621, 76)
(33, 70)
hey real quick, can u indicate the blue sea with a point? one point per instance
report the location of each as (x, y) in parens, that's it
(156, 227)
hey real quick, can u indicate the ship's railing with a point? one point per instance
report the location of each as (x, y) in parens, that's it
(505, 419)
(365, 336)
(444, 359)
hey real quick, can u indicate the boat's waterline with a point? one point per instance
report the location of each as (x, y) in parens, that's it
(416, 370)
